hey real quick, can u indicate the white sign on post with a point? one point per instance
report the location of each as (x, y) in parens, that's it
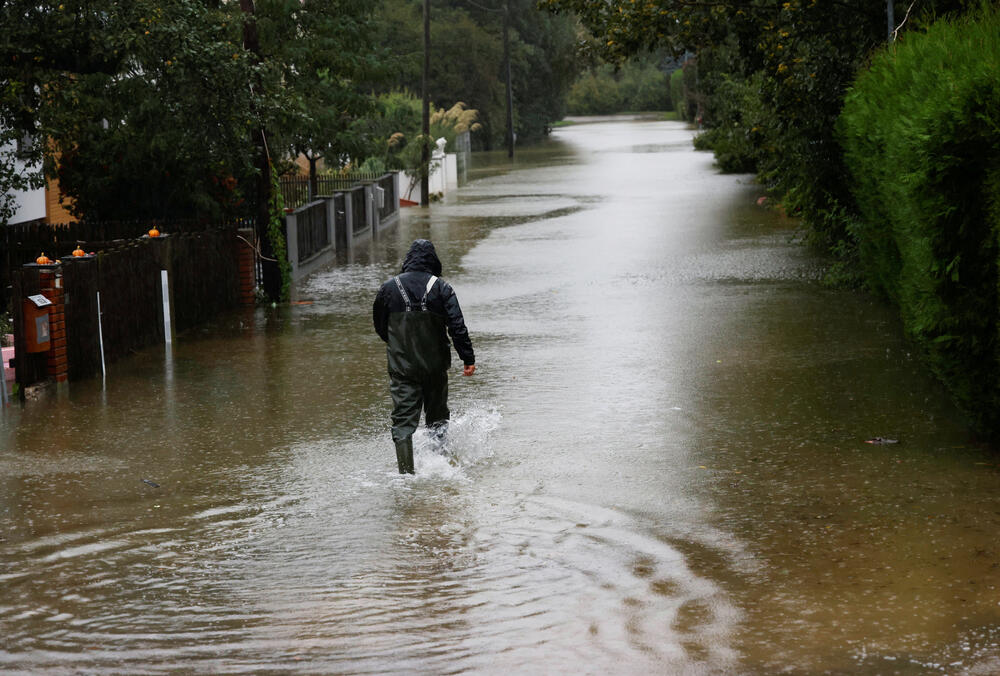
(40, 300)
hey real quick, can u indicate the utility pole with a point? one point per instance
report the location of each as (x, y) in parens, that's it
(510, 93)
(269, 271)
(425, 153)
(890, 12)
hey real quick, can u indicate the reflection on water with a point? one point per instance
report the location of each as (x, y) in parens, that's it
(659, 465)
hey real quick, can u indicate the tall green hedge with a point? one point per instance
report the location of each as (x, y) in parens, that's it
(921, 134)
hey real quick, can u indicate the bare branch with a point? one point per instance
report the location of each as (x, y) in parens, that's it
(895, 33)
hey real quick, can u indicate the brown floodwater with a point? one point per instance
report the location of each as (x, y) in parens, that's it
(659, 467)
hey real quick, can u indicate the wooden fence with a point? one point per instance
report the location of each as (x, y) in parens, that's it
(203, 266)
(203, 273)
(23, 242)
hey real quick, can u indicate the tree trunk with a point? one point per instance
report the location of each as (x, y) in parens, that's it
(313, 182)
(510, 92)
(271, 273)
(425, 154)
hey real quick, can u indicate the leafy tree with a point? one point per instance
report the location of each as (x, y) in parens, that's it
(397, 119)
(149, 106)
(545, 64)
(323, 50)
(14, 173)
(397, 140)
(38, 39)
(142, 105)
(164, 135)
(467, 60)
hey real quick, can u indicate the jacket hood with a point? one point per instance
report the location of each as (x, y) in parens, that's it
(422, 258)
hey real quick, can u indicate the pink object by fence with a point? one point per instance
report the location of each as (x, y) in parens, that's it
(8, 372)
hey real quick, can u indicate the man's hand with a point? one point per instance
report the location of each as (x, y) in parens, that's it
(468, 369)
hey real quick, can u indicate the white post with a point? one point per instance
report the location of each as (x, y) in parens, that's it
(100, 335)
(165, 284)
(370, 208)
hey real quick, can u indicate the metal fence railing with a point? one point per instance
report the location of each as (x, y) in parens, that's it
(389, 206)
(358, 212)
(295, 189)
(311, 229)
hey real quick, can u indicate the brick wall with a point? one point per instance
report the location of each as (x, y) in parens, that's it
(247, 265)
(56, 359)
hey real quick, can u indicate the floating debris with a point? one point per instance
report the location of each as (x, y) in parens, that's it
(881, 440)
(150, 483)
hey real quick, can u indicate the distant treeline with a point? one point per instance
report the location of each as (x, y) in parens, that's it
(637, 85)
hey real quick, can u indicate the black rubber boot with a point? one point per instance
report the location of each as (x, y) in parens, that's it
(404, 455)
(439, 437)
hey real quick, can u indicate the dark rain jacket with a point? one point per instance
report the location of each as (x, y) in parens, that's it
(417, 336)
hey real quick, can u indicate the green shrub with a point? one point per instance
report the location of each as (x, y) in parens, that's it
(921, 135)
(6, 327)
(595, 93)
(736, 130)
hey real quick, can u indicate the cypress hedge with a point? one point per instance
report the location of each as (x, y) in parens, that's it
(920, 130)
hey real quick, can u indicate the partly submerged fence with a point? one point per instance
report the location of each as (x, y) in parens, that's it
(195, 275)
(389, 198)
(295, 189)
(320, 229)
(312, 230)
(24, 242)
(194, 272)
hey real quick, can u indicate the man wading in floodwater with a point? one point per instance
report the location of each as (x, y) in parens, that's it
(413, 313)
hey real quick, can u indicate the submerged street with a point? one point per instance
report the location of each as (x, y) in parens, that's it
(660, 465)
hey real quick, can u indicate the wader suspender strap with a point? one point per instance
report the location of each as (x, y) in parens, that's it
(402, 292)
(406, 298)
(423, 301)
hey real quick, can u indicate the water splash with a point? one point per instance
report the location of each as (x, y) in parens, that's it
(467, 442)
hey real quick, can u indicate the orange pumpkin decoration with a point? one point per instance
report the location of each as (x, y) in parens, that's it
(79, 252)
(43, 260)
(154, 233)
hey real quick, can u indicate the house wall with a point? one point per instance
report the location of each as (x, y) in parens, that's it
(29, 205)
(55, 213)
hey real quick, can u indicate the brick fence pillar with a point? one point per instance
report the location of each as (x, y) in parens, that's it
(248, 267)
(57, 360)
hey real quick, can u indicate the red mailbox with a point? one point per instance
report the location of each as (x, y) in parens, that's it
(36, 323)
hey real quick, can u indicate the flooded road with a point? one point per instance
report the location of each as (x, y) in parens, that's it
(661, 464)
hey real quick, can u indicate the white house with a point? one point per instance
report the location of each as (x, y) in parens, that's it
(29, 205)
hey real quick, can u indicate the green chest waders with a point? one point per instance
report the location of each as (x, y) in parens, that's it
(419, 356)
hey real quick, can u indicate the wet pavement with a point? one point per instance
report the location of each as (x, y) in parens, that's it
(659, 466)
